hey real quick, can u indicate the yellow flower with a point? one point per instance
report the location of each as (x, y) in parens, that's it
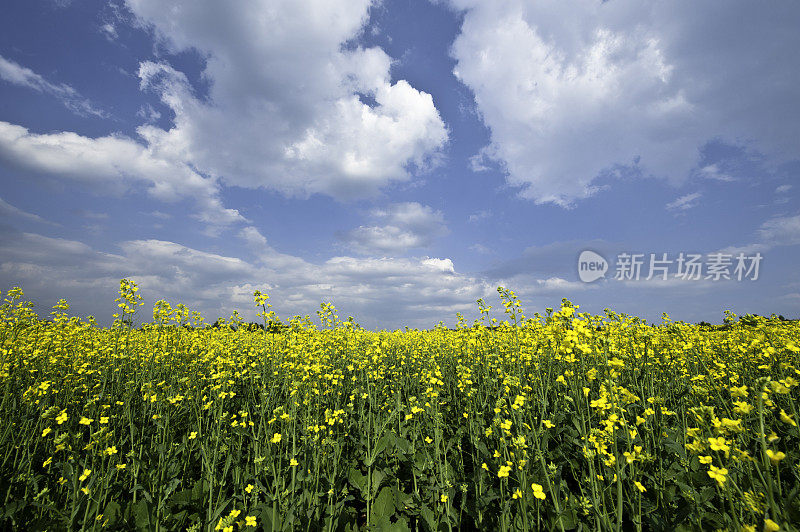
(276, 438)
(484, 466)
(503, 471)
(719, 444)
(720, 474)
(62, 417)
(786, 419)
(85, 475)
(739, 392)
(192, 435)
(538, 492)
(517, 494)
(46, 431)
(705, 459)
(121, 466)
(235, 513)
(293, 462)
(771, 526)
(443, 498)
(775, 457)
(547, 423)
(111, 450)
(85, 421)
(250, 520)
(640, 486)
(47, 462)
(249, 488)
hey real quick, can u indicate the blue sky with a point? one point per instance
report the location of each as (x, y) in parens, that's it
(400, 158)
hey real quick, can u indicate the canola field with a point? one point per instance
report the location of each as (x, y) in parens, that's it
(566, 421)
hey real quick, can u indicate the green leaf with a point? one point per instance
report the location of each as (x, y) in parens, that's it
(141, 515)
(359, 481)
(383, 506)
(430, 519)
(112, 512)
(377, 478)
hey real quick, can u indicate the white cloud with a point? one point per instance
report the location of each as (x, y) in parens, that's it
(781, 231)
(421, 290)
(574, 91)
(147, 113)
(109, 31)
(405, 226)
(25, 77)
(713, 172)
(783, 189)
(775, 232)
(685, 202)
(6, 209)
(283, 109)
(113, 164)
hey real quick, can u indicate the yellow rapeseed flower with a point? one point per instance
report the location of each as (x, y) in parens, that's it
(720, 474)
(787, 419)
(775, 457)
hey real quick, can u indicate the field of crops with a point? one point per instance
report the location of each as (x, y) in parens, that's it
(566, 421)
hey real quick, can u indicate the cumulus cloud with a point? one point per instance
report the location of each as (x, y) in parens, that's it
(575, 92)
(17, 74)
(399, 228)
(113, 164)
(291, 105)
(422, 290)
